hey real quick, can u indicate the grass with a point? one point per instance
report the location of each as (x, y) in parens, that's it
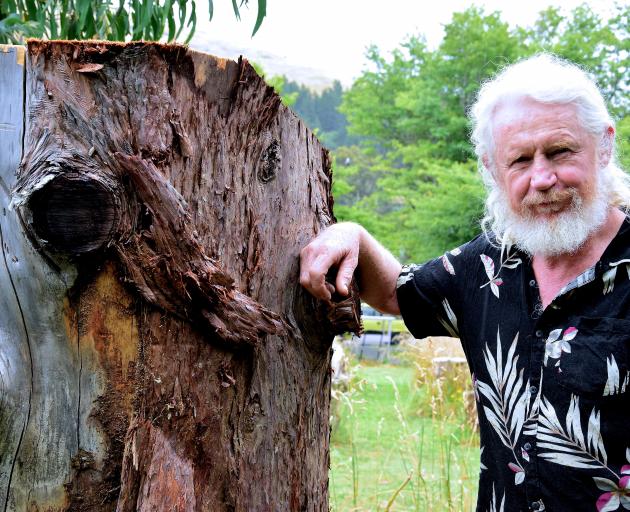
(391, 452)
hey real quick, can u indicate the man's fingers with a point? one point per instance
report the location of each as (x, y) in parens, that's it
(313, 274)
(345, 273)
(337, 248)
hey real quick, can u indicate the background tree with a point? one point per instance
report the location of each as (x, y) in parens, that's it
(412, 179)
(320, 111)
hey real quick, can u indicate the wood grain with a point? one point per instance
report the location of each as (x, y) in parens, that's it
(162, 353)
(38, 418)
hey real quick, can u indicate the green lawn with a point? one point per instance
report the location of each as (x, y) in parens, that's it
(383, 442)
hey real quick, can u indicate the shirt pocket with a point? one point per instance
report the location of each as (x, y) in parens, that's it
(598, 364)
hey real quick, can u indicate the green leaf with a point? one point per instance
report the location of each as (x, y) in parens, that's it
(161, 18)
(83, 7)
(147, 6)
(236, 11)
(262, 12)
(182, 17)
(31, 9)
(52, 21)
(122, 25)
(171, 25)
(192, 23)
(210, 10)
(135, 18)
(89, 31)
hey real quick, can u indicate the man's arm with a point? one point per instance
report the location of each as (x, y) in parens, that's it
(346, 247)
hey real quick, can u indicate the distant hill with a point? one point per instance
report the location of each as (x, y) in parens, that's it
(314, 79)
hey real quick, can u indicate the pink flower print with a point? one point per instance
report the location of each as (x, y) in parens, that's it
(556, 345)
(615, 495)
(493, 279)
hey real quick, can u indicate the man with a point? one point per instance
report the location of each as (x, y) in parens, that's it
(540, 301)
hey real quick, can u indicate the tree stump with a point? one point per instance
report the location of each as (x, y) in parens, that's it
(156, 349)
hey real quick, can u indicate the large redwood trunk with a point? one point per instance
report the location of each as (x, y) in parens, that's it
(156, 349)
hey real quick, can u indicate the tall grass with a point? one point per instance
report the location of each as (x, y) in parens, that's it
(400, 442)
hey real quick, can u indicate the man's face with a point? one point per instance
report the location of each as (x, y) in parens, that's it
(547, 170)
(542, 156)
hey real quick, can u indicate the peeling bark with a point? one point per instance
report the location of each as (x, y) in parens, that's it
(169, 357)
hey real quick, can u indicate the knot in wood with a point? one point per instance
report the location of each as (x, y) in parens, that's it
(73, 215)
(270, 162)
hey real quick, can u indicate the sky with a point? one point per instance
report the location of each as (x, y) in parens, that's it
(328, 38)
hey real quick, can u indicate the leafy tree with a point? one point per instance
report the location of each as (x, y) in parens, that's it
(623, 143)
(424, 95)
(418, 207)
(370, 104)
(584, 38)
(412, 181)
(279, 83)
(320, 111)
(104, 19)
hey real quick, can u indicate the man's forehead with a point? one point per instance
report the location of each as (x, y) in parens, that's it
(517, 110)
(523, 118)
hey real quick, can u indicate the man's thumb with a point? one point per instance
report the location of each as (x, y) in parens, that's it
(344, 276)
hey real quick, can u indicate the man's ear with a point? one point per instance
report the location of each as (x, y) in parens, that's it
(486, 162)
(606, 145)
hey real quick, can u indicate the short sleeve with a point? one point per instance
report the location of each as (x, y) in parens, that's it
(428, 296)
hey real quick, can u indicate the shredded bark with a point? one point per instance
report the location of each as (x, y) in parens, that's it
(200, 364)
(170, 269)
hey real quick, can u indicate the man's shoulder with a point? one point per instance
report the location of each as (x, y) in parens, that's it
(484, 243)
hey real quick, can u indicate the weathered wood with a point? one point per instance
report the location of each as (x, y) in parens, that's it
(157, 351)
(14, 350)
(40, 371)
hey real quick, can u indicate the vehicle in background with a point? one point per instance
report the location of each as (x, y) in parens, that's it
(388, 327)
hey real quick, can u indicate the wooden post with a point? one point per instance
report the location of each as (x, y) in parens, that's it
(156, 349)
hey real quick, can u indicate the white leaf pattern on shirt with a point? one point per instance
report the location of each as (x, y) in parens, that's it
(566, 446)
(615, 384)
(509, 400)
(450, 322)
(508, 260)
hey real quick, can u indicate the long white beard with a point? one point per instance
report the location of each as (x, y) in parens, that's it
(564, 233)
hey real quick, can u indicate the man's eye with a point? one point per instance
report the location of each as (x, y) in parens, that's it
(559, 152)
(521, 159)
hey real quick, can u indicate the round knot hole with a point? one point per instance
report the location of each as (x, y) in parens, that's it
(73, 215)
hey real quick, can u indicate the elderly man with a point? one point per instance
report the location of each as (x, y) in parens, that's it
(540, 301)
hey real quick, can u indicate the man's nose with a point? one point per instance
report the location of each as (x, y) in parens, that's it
(543, 175)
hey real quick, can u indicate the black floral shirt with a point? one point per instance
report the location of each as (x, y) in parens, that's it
(552, 386)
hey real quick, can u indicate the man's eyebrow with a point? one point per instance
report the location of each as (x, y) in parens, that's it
(562, 143)
(518, 151)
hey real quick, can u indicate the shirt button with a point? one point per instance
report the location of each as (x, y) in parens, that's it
(533, 390)
(535, 505)
(532, 282)
(539, 333)
(527, 446)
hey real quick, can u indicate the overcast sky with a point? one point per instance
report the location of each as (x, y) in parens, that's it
(331, 35)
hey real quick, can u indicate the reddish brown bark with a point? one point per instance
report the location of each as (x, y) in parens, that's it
(172, 192)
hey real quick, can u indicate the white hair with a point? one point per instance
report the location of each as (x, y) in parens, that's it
(543, 78)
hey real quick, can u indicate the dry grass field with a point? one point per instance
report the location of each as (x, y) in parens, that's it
(403, 438)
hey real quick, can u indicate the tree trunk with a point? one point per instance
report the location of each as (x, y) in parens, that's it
(156, 349)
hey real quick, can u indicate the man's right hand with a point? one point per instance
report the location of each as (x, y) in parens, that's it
(337, 247)
(347, 247)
